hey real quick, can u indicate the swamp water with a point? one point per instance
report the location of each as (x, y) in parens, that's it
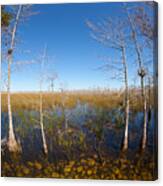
(83, 137)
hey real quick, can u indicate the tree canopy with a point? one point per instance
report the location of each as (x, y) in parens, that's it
(6, 17)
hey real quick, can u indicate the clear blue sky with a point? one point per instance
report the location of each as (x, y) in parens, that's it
(72, 53)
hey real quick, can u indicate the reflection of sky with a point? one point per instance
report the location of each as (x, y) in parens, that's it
(72, 53)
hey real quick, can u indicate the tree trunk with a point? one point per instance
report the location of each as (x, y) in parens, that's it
(12, 143)
(141, 73)
(125, 141)
(66, 122)
(63, 110)
(149, 101)
(144, 137)
(45, 149)
(52, 86)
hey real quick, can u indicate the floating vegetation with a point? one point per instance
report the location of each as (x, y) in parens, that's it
(83, 168)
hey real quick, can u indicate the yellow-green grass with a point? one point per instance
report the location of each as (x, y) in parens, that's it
(104, 99)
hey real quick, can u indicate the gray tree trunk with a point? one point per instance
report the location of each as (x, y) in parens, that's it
(12, 143)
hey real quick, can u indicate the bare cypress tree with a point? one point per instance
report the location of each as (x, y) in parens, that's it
(142, 74)
(12, 143)
(51, 78)
(45, 149)
(111, 35)
(18, 14)
(144, 21)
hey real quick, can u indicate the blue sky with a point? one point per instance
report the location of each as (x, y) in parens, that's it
(72, 53)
